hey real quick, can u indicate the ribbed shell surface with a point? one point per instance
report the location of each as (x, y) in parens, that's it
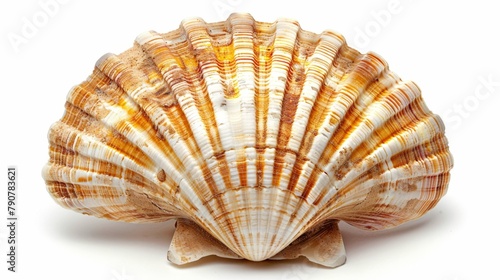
(255, 131)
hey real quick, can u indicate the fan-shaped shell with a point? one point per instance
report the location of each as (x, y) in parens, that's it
(257, 132)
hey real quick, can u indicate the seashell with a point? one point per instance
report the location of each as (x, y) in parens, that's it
(257, 137)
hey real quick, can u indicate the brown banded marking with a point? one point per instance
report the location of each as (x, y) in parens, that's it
(195, 94)
(263, 52)
(155, 47)
(84, 169)
(138, 126)
(318, 59)
(284, 42)
(220, 99)
(322, 194)
(363, 73)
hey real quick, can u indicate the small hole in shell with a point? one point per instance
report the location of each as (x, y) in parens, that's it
(161, 175)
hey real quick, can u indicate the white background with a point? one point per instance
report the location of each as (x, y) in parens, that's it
(451, 50)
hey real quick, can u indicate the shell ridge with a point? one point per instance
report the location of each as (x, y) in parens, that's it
(399, 141)
(208, 101)
(387, 150)
(266, 44)
(352, 87)
(385, 215)
(412, 97)
(100, 167)
(220, 100)
(373, 117)
(310, 57)
(70, 109)
(159, 151)
(314, 133)
(308, 72)
(65, 195)
(319, 135)
(283, 46)
(326, 134)
(317, 169)
(83, 144)
(263, 50)
(317, 66)
(309, 119)
(437, 164)
(163, 56)
(176, 125)
(55, 172)
(226, 118)
(190, 194)
(89, 191)
(242, 126)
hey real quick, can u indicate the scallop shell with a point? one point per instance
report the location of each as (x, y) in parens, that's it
(258, 137)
